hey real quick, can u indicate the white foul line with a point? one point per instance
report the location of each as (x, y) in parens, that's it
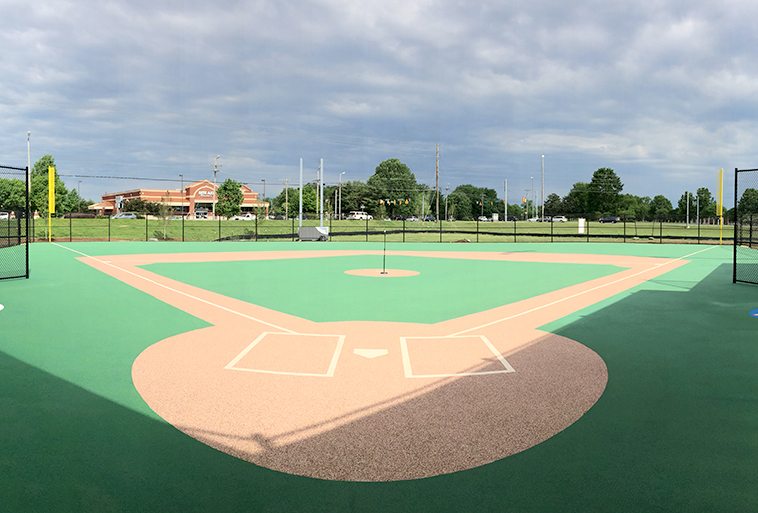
(210, 303)
(546, 305)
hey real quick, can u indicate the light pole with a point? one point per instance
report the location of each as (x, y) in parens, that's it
(447, 188)
(28, 161)
(216, 169)
(505, 200)
(542, 191)
(181, 190)
(339, 210)
(534, 197)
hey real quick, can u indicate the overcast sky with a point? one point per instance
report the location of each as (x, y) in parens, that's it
(664, 92)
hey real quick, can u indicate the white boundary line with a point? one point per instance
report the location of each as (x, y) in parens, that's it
(329, 372)
(408, 371)
(185, 294)
(561, 300)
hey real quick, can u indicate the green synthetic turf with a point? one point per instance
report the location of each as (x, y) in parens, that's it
(319, 289)
(675, 430)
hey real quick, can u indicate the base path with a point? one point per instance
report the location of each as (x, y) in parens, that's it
(369, 400)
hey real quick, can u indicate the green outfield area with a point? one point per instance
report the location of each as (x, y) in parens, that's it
(674, 431)
(321, 291)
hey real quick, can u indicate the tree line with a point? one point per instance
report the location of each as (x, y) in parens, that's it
(393, 191)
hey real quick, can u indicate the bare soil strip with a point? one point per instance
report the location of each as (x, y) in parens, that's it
(366, 400)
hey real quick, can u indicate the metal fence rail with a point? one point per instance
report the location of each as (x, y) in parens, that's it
(745, 260)
(149, 228)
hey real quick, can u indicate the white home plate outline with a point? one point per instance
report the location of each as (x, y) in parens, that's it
(408, 370)
(232, 365)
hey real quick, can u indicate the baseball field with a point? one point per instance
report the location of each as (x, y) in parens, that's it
(282, 377)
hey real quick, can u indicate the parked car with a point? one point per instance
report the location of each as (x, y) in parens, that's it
(533, 219)
(512, 218)
(125, 215)
(247, 216)
(483, 219)
(609, 219)
(412, 219)
(559, 219)
(359, 214)
(430, 219)
(4, 216)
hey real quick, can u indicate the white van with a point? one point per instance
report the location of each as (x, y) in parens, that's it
(359, 214)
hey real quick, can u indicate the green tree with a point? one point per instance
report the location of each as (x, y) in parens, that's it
(748, 203)
(707, 204)
(481, 201)
(140, 206)
(394, 181)
(634, 207)
(577, 200)
(604, 190)
(12, 194)
(553, 205)
(357, 196)
(459, 206)
(230, 198)
(681, 209)
(661, 208)
(39, 187)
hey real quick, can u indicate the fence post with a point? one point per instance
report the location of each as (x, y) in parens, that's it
(660, 232)
(514, 230)
(109, 228)
(293, 229)
(551, 230)
(367, 229)
(403, 230)
(183, 216)
(219, 226)
(624, 229)
(750, 233)
(588, 228)
(256, 228)
(145, 226)
(70, 227)
(477, 229)
(440, 220)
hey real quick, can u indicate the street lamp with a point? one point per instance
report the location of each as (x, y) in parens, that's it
(447, 188)
(542, 193)
(339, 210)
(216, 170)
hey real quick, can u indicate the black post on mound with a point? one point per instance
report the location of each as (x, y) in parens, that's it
(384, 254)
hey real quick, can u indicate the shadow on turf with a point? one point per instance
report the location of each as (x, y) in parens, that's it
(672, 432)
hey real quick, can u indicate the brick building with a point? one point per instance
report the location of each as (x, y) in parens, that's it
(196, 200)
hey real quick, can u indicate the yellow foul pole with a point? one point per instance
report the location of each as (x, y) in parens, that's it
(50, 201)
(720, 205)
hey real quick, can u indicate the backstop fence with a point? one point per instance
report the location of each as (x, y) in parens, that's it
(14, 230)
(745, 265)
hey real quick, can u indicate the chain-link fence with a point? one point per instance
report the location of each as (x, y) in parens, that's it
(746, 226)
(14, 233)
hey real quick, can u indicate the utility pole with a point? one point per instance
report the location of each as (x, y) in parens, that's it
(437, 179)
(481, 203)
(688, 209)
(447, 188)
(542, 194)
(340, 195)
(286, 199)
(505, 199)
(321, 191)
(534, 197)
(28, 162)
(216, 169)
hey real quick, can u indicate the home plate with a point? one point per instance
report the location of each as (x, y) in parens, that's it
(370, 353)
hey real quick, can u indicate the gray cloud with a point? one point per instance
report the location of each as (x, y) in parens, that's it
(662, 91)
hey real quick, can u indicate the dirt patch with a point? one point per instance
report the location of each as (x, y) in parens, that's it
(379, 273)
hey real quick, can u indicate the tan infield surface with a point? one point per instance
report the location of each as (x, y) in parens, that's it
(370, 400)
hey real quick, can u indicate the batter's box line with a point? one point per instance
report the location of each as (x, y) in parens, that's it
(408, 370)
(232, 365)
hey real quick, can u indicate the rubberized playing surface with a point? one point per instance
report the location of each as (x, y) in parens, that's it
(674, 429)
